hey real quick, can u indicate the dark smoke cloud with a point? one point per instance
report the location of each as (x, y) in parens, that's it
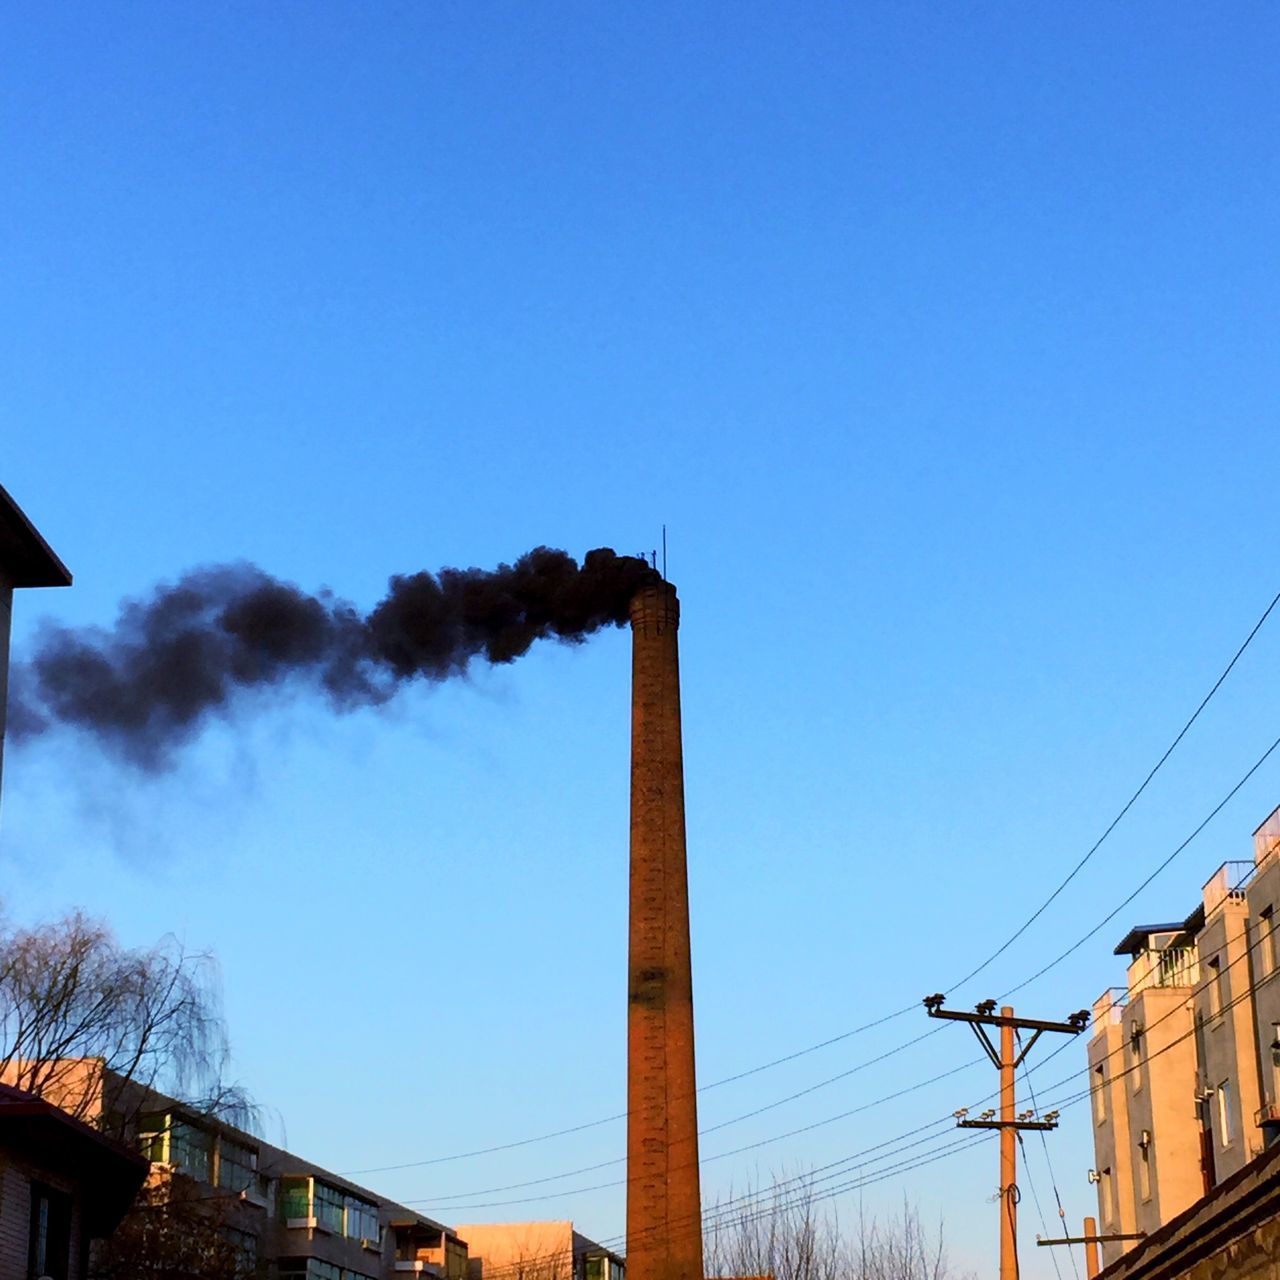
(197, 646)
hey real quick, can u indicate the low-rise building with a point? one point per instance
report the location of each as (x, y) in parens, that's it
(63, 1185)
(1185, 1058)
(536, 1251)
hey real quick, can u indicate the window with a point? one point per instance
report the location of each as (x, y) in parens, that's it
(1135, 1056)
(1144, 1165)
(49, 1245)
(1217, 987)
(362, 1219)
(245, 1243)
(295, 1198)
(190, 1149)
(1267, 941)
(153, 1138)
(1100, 1093)
(327, 1206)
(315, 1269)
(1226, 1122)
(237, 1165)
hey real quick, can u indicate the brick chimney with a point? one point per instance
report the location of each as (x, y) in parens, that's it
(25, 561)
(664, 1205)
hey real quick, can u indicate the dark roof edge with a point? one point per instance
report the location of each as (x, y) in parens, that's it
(1130, 944)
(30, 560)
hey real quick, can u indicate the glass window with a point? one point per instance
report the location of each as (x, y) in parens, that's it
(153, 1138)
(1100, 1093)
(362, 1219)
(191, 1149)
(1226, 1120)
(237, 1165)
(1216, 989)
(1267, 951)
(595, 1269)
(318, 1270)
(1144, 1167)
(49, 1244)
(295, 1197)
(328, 1207)
(245, 1243)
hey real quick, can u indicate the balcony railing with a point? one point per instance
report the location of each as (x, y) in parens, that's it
(1228, 883)
(1176, 967)
(1109, 1006)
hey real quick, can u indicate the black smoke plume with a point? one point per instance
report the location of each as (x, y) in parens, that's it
(196, 647)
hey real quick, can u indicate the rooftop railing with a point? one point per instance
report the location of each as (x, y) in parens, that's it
(1228, 883)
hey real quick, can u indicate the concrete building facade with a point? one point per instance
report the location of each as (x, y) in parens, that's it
(536, 1251)
(1185, 1058)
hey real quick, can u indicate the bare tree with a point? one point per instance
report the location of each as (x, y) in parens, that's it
(80, 1015)
(786, 1234)
(174, 1232)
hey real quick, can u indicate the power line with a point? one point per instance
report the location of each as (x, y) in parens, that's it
(1217, 809)
(901, 1012)
(1115, 822)
(1035, 1197)
(1053, 1180)
(722, 1155)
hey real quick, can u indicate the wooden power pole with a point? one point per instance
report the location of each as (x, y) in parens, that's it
(1006, 1060)
(1091, 1240)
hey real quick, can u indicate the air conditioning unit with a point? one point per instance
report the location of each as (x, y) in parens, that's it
(1267, 1114)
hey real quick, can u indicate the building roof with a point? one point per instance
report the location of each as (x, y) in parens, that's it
(110, 1174)
(1136, 939)
(26, 559)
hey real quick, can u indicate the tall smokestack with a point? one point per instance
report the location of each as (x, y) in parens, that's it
(25, 561)
(664, 1204)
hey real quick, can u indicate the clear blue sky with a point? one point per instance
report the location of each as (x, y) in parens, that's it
(942, 337)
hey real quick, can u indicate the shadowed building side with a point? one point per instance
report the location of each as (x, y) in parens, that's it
(664, 1206)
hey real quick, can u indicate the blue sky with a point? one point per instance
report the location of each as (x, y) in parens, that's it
(942, 338)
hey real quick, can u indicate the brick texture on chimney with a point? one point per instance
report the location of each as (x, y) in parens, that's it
(664, 1207)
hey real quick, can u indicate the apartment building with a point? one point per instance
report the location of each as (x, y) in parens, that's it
(1185, 1057)
(289, 1218)
(536, 1251)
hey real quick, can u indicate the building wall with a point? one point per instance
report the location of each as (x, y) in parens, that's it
(1112, 1146)
(519, 1250)
(1228, 1073)
(1231, 1234)
(16, 1177)
(1263, 896)
(1187, 1058)
(1164, 1133)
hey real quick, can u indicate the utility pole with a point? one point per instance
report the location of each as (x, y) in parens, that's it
(1006, 1060)
(1091, 1240)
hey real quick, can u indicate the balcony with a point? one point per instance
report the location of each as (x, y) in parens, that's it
(1228, 883)
(1175, 967)
(1109, 1006)
(1267, 1115)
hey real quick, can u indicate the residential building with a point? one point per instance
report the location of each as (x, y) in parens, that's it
(536, 1251)
(62, 1186)
(292, 1219)
(1185, 1058)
